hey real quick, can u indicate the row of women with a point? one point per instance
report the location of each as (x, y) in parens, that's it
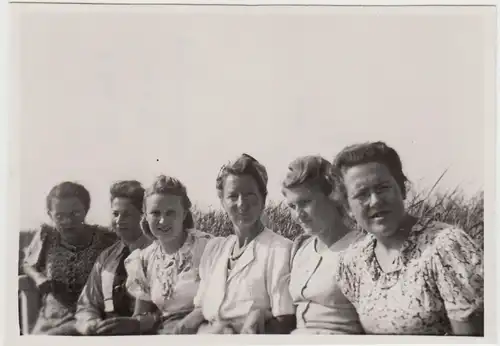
(392, 273)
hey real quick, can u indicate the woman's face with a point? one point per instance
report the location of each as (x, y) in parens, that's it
(374, 198)
(67, 214)
(165, 216)
(311, 208)
(241, 199)
(125, 219)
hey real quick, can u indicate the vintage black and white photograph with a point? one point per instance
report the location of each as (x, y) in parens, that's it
(296, 170)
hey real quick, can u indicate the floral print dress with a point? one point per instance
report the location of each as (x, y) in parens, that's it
(170, 281)
(68, 267)
(438, 277)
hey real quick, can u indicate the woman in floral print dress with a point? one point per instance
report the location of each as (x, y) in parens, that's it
(407, 276)
(59, 259)
(163, 277)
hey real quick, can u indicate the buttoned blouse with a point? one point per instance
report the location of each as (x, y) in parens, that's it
(321, 308)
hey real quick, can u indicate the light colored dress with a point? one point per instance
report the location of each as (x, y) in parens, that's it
(68, 267)
(258, 280)
(170, 281)
(321, 306)
(438, 277)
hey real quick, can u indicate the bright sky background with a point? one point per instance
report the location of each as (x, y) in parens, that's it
(110, 93)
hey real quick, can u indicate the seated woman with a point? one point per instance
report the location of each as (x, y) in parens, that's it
(408, 275)
(59, 259)
(244, 277)
(163, 277)
(105, 307)
(313, 201)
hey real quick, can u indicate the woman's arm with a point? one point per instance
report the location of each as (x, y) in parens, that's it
(147, 314)
(38, 277)
(474, 326)
(34, 259)
(67, 328)
(89, 307)
(458, 270)
(282, 319)
(190, 323)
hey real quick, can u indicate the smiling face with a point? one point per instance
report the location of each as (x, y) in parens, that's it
(125, 219)
(311, 208)
(242, 200)
(165, 216)
(374, 198)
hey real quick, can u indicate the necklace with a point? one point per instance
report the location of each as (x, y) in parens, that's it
(233, 257)
(236, 253)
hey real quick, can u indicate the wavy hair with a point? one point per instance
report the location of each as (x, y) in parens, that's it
(166, 185)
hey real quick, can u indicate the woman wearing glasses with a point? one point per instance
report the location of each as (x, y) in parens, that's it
(60, 258)
(244, 277)
(408, 275)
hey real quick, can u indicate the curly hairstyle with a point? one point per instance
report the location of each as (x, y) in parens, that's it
(69, 189)
(314, 171)
(243, 165)
(309, 170)
(166, 185)
(380, 152)
(131, 189)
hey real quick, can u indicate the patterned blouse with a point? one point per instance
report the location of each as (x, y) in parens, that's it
(170, 281)
(438, 277)
(68, 268)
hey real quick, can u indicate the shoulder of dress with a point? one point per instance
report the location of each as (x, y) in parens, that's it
(299, 244)
(45, 230)
(355, 251)
(444, 236)
(105, 236)
(142, 257)
(109, 250)
(149, 250)
(216, 244)
(301, 241)
(276, 238)
(200, 234)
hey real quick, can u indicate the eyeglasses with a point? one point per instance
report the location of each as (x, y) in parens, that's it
(71, 215)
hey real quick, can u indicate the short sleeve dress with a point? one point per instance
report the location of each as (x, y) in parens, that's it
(170, 281)
(68, 267)
(438, 278)
(321, 306)
(259, 279)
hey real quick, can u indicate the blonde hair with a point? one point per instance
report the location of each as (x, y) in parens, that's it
(314, 171)
(166, 185)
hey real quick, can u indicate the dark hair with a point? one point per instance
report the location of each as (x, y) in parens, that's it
(165, 185)
(131, 189)
(68, 189)
(380, 152)
(309, 170)
(243, 165)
